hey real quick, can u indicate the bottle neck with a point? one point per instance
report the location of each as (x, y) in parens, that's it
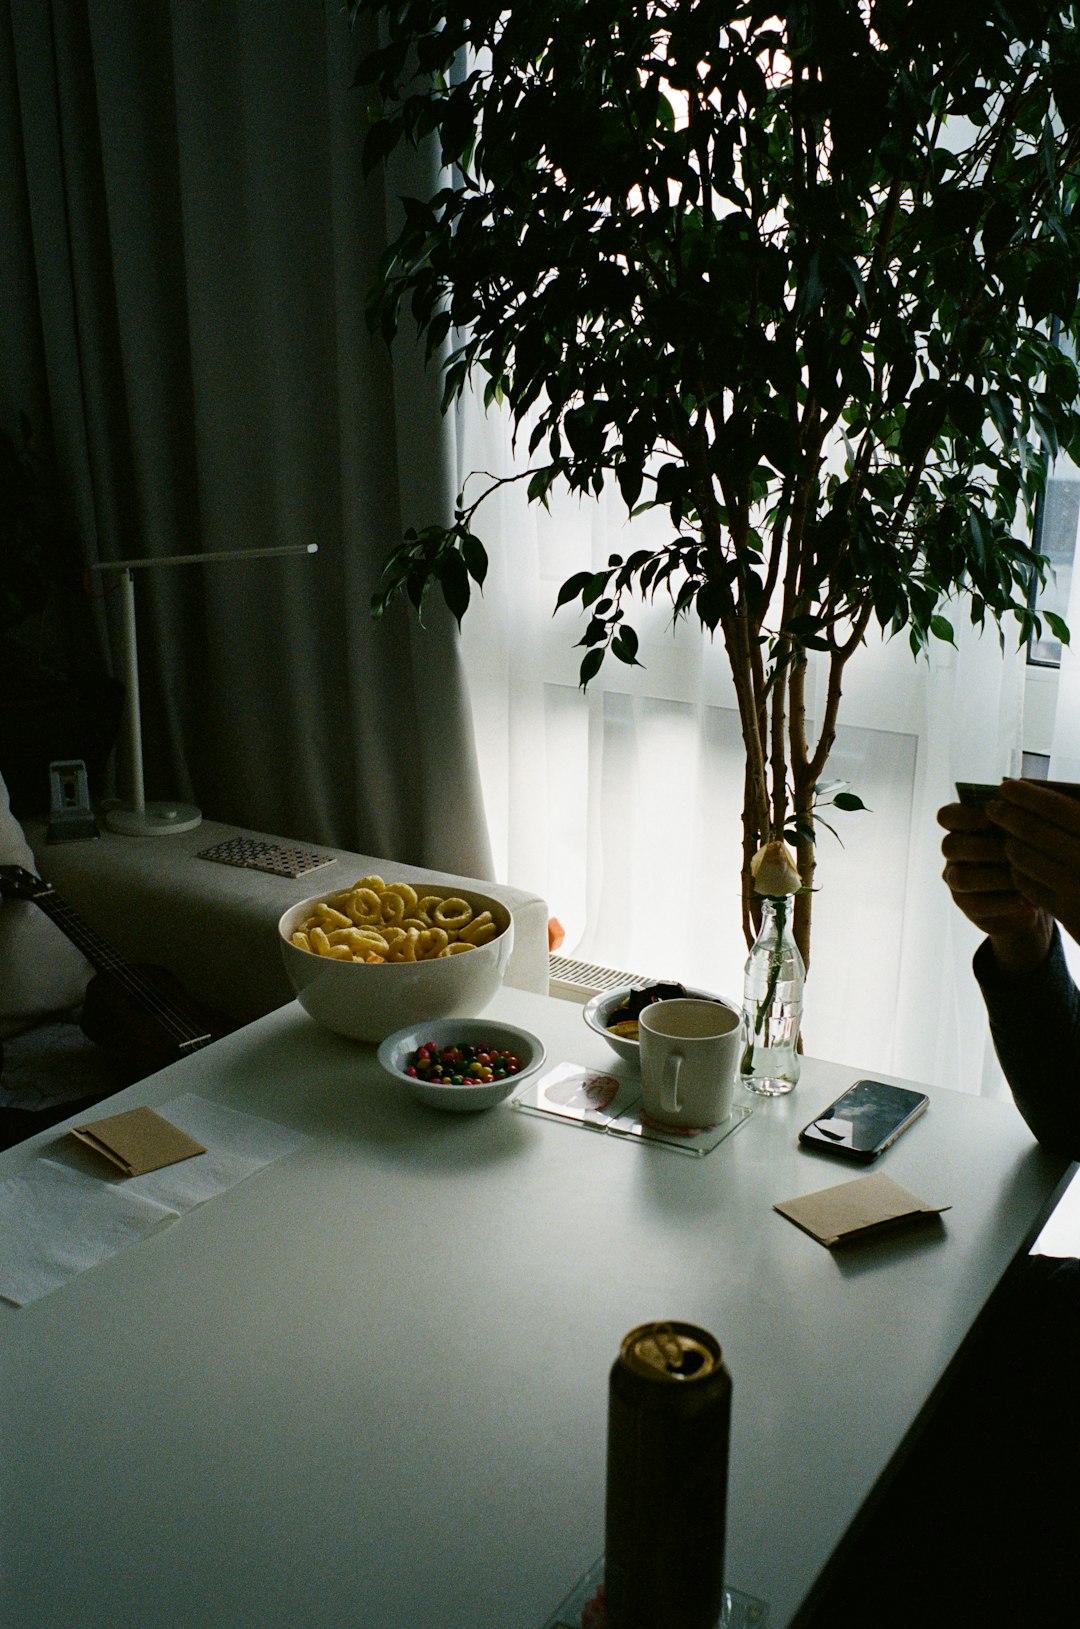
(776, 936)
(776, 918)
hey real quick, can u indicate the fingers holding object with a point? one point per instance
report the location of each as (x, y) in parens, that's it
(968, 817)
(1044, 879)
(1041, 829)
(966, 878)
(976, 861)
(1036, 814)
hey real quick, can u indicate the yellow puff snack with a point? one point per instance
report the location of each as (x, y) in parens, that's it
(429, 942)
(331, 918)
(404, 949)
(365, 907)
(361, 942)
(377, 922)
(393, 908)
(479, 930)
(452, 913)
(407, 895)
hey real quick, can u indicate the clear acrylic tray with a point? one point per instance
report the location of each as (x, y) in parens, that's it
(583, 1608)
(595, 1101)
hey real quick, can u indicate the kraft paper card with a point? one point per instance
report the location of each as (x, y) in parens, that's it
(138, 1141)
(856, 1210)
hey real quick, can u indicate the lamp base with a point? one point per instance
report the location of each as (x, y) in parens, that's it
(156, 820)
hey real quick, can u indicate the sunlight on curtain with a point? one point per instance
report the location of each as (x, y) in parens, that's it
(621, 806)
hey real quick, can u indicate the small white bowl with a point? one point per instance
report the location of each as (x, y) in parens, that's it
(396, 1050)
(600, 1012)
(367, 1002)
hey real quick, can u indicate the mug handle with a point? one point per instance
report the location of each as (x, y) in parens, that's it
(669, 1085)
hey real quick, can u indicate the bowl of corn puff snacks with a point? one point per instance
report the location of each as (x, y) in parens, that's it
(368, 960)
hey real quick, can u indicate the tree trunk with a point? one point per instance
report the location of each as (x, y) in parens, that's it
(806, 861)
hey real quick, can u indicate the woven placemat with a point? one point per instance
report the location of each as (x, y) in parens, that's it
(252, 854)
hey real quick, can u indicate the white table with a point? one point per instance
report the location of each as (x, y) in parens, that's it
(368, 1386)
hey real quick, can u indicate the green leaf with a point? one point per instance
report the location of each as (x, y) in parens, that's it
(594, 587)
(591, 663)
(710, 605)
(942, 628)
(625, 647)
(475, 557)
(819, 821)
(380, 142)
(454, 581)
(539, 486)
(573, 587)
(1058, 627)
(417, 583)
(596, 633)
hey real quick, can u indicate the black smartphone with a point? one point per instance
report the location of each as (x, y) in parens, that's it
(865, 1119)
(979, 792)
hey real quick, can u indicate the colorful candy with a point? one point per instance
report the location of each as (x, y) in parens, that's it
(474, 1064)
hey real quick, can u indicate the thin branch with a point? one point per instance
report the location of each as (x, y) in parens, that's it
(837, 662)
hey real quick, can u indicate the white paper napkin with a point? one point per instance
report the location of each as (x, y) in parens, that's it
(56, 1222)
(68, 1213)
(236, 1145)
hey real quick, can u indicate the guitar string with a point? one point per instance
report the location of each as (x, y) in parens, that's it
(111, 962)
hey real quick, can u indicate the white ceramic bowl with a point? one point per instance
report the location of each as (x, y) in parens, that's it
(367, 1002)
(599, 1013)
(397, 1050)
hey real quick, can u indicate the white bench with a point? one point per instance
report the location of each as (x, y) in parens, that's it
(214, 926)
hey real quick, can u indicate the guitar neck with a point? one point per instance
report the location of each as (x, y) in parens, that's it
(71, 924)
(186, 1036)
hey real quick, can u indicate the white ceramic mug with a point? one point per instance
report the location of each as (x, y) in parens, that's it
(689, 1053)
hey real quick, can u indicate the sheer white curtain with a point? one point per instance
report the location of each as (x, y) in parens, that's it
(621, 806)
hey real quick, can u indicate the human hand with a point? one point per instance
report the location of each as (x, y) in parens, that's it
(979, 875)
(1041, 835)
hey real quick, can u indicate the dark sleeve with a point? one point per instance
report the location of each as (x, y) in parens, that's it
(1035, 1025)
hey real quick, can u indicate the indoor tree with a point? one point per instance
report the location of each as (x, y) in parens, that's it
(790, 273)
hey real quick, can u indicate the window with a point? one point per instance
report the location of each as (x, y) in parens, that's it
(1057, 521)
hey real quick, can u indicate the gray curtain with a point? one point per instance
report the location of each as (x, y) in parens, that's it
(187, 242)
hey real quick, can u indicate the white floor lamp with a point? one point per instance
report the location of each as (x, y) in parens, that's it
(139, 818)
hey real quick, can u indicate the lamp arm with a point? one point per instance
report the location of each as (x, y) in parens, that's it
(208, 558)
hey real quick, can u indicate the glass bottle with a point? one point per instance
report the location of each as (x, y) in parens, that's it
(772, 1003)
